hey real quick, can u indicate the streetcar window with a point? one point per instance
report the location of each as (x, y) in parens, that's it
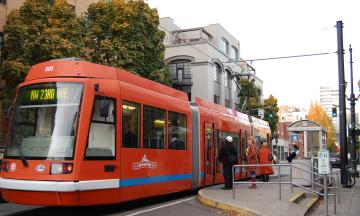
(101, 141)
(177, 130)
(154, 127)
(130, 124)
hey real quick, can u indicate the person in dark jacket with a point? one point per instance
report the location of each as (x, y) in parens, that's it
(294, 153)
(228, 157)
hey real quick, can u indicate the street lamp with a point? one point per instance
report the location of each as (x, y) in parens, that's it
(352, 128)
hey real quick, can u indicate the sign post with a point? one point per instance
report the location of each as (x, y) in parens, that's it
(324, 169)
(324, 162)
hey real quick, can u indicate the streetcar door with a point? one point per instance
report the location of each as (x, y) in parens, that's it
(100, 169)
(209, 153)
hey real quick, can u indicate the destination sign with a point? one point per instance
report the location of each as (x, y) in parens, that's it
(50, 94)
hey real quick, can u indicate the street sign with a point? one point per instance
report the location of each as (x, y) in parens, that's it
(324, 161)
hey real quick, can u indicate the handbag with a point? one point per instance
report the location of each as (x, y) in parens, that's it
(270, 158)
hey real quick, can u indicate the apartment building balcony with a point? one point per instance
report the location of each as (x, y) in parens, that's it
(190, 36)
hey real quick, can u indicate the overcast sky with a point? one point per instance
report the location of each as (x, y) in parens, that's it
(273, 28)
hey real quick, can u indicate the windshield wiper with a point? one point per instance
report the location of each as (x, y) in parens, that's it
(18, 147)
(22, 157)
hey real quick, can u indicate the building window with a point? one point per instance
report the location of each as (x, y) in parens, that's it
(224, 46)
(180, 71)
(216, 99)
(130, 124)
(177, 130)
(217, 72)
(154, 127)
(227, 79)
(227, 89)
(227, 103)
(101, 141)
(233, 53)
(3, 2)
(217, 75)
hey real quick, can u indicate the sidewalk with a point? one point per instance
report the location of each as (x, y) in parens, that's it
(265, 200)
(349, 202)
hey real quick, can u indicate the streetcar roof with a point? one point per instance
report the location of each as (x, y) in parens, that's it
(77, 68)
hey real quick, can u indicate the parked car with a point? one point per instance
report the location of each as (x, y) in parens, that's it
(335, 160)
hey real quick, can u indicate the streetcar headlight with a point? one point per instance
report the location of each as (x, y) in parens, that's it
(61, 168)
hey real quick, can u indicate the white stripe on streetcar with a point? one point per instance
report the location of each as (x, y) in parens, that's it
(53, 186)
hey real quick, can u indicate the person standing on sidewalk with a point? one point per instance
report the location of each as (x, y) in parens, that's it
(228, 157)
(251, 158)
(265, 157)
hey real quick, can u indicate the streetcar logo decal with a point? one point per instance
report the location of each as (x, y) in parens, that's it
(145, 163)
(40, 168)
(13, 167)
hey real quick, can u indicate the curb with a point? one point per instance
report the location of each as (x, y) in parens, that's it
(298, 196)
(225, 206)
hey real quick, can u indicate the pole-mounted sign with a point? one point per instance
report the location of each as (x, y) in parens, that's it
(324, 161)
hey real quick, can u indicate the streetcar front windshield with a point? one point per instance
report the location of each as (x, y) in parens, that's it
(44, 124)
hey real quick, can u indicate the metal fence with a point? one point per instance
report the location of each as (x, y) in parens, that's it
(316, 179)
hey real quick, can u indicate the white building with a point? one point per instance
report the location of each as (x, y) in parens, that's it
(329, 98)
(205, 62)
(291, 114)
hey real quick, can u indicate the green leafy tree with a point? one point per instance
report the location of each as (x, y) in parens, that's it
(271, 112)
(125, 34)
(250, 92)
(39, 31)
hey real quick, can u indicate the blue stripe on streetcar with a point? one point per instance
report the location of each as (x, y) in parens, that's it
(154, 179)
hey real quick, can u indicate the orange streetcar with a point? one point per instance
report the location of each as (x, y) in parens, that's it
(88, 134)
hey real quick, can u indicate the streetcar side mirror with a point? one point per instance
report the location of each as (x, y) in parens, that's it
(104, 108)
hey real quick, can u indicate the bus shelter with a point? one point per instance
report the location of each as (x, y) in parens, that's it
(309, 136)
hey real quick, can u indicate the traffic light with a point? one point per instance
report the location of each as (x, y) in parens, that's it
(334, 112)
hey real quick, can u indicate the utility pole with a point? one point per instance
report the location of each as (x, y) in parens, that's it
(352, 130)
(342, 105)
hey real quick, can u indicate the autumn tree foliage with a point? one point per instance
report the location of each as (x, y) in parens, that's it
(39, 31)
(318, 114)
(124, 33)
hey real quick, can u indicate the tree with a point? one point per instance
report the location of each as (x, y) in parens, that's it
(125, 34)
(318, 114)
(39, 31)
(271, 112)
(249, 91)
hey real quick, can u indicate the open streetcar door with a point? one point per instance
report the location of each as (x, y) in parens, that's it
(210, 151)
